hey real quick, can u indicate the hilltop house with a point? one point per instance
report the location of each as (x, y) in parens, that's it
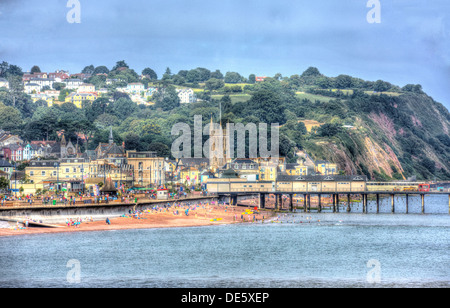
(78, 98)
(6, 138)
(4, 83)
(32, 88)
(43, 82)
(73, 84)
(186, 96)
(135, 88)
(86, 88)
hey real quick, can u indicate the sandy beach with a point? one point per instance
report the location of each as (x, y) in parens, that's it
(161, 218)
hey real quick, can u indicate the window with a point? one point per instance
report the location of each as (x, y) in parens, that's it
(31, 173)
(43, 173)
(67, 170)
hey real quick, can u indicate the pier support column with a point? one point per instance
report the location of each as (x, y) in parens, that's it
(378, 204)
(334, 203)
(305, 206)
(309, 203)
(349, 208)
(291, 202)
(320, 204)
(392, 204)
(276, 202)
(262, 201)
(337, 203)
(407, 204)
(364, 199)
(423, 203)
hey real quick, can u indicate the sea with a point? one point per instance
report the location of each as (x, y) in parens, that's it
(290, 250)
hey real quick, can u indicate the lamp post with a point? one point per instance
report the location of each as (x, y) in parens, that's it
(56, 165)
(15, 179)
(82, 176)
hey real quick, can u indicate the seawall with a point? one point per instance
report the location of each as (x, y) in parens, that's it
(59, 214)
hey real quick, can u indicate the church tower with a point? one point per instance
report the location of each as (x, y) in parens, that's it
(219, 146)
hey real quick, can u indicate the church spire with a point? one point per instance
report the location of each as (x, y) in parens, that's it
(63, 141)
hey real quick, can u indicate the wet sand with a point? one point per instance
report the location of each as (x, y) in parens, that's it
(152, 219)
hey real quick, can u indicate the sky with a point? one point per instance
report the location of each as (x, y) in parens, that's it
(410, 45)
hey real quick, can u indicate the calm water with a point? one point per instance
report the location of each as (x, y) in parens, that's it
(411, 251)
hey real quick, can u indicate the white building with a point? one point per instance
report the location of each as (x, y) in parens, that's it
(72, 84)
(43, 82)
(32, 87)
(4, 83)
(135, 88)
(86, 88)
(186, 96)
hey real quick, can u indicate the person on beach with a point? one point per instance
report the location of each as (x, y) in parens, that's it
(108, 221)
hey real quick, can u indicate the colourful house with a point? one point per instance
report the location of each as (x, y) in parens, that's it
(326, 168)
(78, 98)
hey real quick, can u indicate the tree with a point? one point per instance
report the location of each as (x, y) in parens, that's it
(329, 130)
(14, 70)
(88, 70)
(311, 72)
(214, 84)
(4, 183)
(204, 74)
(4, 66)
(382, 86)
(35, 69)
(344, 82)
(123, 107)
(58, 86)
(161, 149)
(179, 80)
(15, 89)
(217, 75)
(86, 129)
(233, 77)
(10, 118)
(151, 74)
(193, 76)
(167, 99)
(267, 106)
(120, 64)
(132, 141)
(252, 78)
(101, 70)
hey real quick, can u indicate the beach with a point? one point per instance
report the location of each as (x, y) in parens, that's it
(173, 217)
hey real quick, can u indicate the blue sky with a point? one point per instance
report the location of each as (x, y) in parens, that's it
(410, 45)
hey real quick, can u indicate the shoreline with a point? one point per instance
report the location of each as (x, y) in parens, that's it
(150, 219)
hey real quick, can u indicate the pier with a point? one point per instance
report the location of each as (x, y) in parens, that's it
(336, 198)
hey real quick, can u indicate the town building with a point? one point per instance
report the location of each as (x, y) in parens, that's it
(86, 88)
(31, 88)
(73, 84)
(187, 96)
(78, 98)
(6, 138)
(43, 82)
(148, 169)
(135, 88)
(326, 168)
